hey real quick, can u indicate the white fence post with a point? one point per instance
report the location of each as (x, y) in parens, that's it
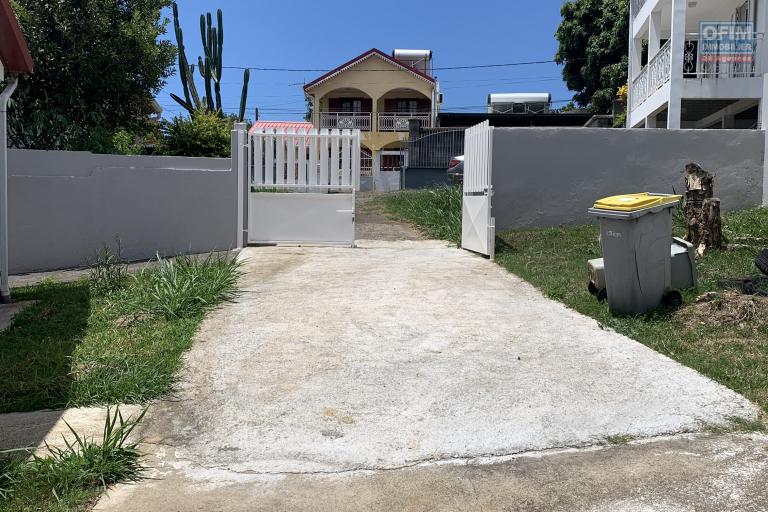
(240, 168)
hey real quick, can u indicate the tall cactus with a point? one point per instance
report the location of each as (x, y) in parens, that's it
(209, 67)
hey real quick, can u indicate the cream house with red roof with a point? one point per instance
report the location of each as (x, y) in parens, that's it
(378, 94)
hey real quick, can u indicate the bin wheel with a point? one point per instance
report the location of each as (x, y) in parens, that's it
(673, 299)
(592, 288)
(602, 295)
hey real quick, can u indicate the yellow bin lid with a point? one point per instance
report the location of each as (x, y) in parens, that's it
(635, 202)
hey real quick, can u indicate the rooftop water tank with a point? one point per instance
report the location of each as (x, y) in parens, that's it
(416, 59)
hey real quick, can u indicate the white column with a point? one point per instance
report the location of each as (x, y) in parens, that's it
(239, 167)
(5, 96)
(650, 121)
(679, 8)
(654, 34)
(636, 57)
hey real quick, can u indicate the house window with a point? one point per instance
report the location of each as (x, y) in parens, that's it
(350, 105)
(407, 106)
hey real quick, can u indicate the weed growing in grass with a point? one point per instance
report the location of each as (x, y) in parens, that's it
(185, 287)
(67, 477)
(108, 271)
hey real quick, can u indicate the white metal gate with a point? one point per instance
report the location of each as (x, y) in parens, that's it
(478, 230)
(302, 186)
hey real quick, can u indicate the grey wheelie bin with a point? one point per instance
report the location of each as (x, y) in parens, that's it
(635, 234)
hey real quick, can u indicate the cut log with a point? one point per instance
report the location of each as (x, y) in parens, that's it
(713, 227)
(702, 209)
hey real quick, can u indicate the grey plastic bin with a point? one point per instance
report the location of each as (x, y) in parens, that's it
(636, 250)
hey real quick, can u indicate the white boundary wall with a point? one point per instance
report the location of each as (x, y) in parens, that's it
(64, 205)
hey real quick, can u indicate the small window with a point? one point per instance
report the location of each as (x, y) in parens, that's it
(407, 106)
(350, 105)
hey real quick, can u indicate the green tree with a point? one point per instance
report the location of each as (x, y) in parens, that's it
(310, 108)
(593, 37)
(98, 65)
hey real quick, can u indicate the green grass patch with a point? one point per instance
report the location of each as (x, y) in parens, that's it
(555, 261)
(71, 478)
(95, 342)
(437, 211)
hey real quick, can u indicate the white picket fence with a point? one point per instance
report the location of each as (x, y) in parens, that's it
(317, 159)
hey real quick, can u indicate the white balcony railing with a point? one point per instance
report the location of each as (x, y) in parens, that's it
(398, 122)
(653, 76)
(697, 64)
(346, 120)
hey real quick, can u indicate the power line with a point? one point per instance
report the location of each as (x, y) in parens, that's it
(439, 68)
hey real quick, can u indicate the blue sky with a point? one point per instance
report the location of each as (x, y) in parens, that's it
(299, 34)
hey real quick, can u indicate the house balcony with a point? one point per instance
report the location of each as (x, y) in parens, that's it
(400, 121)
(653, 76)
(346, 121)
(697, 65)
(369, 121)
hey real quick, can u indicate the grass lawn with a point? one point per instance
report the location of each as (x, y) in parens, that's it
(110, 338)
(727, 341)
(79, 345)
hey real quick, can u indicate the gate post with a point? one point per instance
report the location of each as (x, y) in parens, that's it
(239, 167)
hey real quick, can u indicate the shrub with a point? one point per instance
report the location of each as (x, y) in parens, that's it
(124, 143)
(186, 286)
(108, 270)
(204, 134)
(620, 121)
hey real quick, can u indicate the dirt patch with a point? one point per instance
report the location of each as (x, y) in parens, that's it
(727, 308)
(373, 222)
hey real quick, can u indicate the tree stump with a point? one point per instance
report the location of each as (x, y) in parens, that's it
(702, 209)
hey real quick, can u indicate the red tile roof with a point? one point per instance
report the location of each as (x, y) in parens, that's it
(369, 53)
(299, 126)
(14, 52)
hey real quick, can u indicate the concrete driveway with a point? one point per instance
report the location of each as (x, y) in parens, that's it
(409, 375)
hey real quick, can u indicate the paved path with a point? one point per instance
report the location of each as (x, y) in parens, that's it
(409, 375)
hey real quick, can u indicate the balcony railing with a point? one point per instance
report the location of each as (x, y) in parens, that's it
(346, 120)
(366, 121)
(398, 122)
(653, 76)
(697, 64)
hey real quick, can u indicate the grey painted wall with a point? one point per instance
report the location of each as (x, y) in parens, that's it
(64, 205)
(419, 177)
(550, 176)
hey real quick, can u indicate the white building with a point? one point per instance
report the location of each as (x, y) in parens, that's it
(682, 74)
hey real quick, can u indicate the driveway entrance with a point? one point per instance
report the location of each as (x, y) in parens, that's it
(398, 355)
